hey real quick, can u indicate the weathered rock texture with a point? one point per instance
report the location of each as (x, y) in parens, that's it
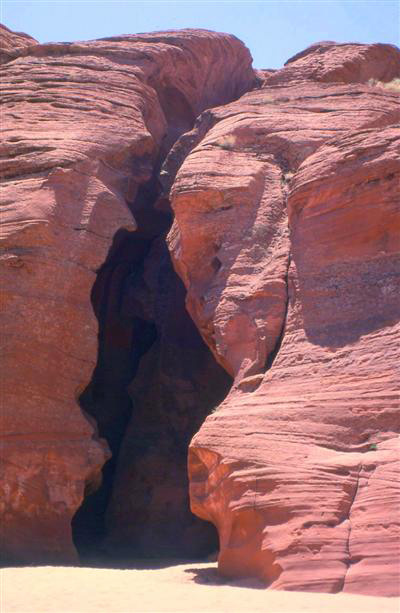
(298, 468)
(12, 43)
(84, 125)
(286, 237)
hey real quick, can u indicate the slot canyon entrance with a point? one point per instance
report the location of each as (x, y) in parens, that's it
(154, 383)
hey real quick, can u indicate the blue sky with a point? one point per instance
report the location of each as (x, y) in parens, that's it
(273, 30)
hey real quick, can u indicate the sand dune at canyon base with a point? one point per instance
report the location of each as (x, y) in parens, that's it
(193, 587)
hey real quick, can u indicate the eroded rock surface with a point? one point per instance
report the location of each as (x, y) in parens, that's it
(84, 125)
(286, 237)
(297, 468)
(330, 62)
(230, 240)
(13, 42)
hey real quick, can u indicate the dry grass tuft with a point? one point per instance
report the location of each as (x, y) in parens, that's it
(226, 142)
(393, 85)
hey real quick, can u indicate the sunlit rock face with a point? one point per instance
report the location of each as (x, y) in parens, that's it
(197, 251)
(12, 43)
(286, 235)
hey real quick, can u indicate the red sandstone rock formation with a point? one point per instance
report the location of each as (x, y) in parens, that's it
(84, 125)
(11, 43)
(329, 62)
(297, 468)
(286, 235)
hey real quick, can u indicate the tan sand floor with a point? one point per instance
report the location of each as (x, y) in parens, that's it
(187, 587)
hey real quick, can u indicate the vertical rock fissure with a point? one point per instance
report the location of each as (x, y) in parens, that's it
(285, 169)
(154, 383)
(273, 354)
(123, 338)
(349, 560)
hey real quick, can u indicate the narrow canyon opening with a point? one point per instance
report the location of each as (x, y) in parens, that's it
(154, 384)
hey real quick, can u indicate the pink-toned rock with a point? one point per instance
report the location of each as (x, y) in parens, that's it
(230, 240)
(297, 468)
(83, 127)
(330, 62)
(12, 42)
(286, 236)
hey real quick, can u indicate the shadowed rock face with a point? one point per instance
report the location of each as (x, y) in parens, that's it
(154, 384)
(85, 125)
(285, 236)
(177, 385)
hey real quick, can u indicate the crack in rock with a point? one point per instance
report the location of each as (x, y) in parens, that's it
(348, 562)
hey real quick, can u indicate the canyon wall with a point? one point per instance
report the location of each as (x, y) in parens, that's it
(287, 236)
(282, 190)
(85, 125)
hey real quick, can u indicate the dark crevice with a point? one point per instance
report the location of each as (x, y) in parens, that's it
(122, 340)
(154, 383)
(273, 354)
(177, 385)
(287, 173)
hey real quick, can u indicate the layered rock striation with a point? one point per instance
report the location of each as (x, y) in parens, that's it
(12, 43)
(282, 190)
(292, 278)
(84, 125)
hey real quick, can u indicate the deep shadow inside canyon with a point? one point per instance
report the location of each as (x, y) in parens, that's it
(154, 383)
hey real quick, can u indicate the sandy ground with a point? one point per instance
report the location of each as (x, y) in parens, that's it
(187, 587)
